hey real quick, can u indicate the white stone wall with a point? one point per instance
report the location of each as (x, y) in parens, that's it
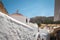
(33, 24)
(11, 29)
(20, 18)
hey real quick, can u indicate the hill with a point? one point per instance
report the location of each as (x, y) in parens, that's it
(42, 19)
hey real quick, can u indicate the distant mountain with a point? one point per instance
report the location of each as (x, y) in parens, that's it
(42, 19)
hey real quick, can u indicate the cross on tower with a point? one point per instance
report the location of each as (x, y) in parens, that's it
(17, 11)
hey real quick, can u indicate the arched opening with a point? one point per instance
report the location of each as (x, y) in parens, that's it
(56, 34)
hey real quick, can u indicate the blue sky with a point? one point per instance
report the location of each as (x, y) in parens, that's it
(30, 8)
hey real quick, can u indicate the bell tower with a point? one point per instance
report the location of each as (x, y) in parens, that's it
(2, 8)
(57, 10)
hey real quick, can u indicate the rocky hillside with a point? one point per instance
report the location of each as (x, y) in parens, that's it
(42, 19)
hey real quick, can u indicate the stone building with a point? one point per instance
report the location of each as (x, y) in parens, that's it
(18, 16)
(2, 8)
(57, 10)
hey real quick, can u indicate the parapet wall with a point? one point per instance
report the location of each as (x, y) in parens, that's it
(11, 29)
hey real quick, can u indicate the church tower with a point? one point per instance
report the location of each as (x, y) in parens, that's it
(57, 10)
(2, 8)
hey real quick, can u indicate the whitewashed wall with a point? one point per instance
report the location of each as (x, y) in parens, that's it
(11, 29)
(19, 18)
